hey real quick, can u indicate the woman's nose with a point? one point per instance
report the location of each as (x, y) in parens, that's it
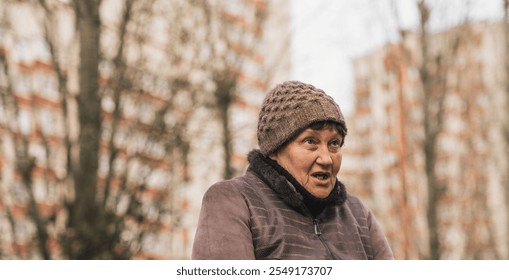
(324, 156)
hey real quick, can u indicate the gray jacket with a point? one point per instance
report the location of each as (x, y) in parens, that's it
(261, 216)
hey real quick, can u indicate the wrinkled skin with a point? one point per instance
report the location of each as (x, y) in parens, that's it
(313, 158)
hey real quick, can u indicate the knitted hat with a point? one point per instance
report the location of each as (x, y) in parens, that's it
(288, 109)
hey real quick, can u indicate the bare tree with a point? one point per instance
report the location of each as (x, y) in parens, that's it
(126, 110)
(85, 216)
(446, 63)
(24, 163)
(230, 42)
(432, 81)
(93, 225)
(506, 80)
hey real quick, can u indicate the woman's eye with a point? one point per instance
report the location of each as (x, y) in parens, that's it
(309, 141)
(335, 143)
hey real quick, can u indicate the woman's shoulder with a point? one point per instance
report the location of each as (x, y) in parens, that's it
(356, 205)
(238, 184)
(353, 199)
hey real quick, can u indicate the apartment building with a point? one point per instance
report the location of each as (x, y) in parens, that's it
(167, 150)
(384, 160)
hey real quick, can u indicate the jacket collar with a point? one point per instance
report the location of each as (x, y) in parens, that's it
(260, 165)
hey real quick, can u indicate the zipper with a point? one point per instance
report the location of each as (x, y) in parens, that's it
(318, 231)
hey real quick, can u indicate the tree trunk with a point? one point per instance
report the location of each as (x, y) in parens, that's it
(506, 125)
(85, 215)
(25, 165)
(118, 84)
(430, 132)
(224, 94)
(227, 140)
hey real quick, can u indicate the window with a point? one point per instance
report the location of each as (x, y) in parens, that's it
(50, 122)
(24, 122)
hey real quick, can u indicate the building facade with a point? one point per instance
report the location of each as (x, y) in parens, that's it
(162, 139)
(385, 159)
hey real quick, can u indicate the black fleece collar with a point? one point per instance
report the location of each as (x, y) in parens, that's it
(277, 178)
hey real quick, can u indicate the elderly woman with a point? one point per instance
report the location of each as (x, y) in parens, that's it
(289, 204)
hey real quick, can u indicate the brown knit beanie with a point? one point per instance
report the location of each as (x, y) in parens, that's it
(288, 109)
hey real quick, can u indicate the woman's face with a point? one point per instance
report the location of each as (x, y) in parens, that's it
(314, 159)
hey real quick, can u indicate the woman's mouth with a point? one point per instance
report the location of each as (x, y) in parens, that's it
(321, 175)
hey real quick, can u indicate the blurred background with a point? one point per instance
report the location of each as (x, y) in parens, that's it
(117, 115)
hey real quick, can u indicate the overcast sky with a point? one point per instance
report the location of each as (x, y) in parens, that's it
(327, 34)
